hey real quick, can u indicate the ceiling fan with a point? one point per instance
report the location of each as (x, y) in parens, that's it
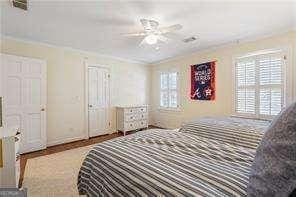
(152, 33)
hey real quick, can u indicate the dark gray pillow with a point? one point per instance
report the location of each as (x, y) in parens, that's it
(273, 171)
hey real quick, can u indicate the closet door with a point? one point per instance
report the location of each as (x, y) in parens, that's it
(98, 101)
(24, 95)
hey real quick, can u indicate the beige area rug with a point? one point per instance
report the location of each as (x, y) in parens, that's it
(55, 174)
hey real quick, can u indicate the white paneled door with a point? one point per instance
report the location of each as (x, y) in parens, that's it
(98, 101)
(23, 83)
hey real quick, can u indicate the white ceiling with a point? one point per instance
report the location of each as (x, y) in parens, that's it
(96, 25)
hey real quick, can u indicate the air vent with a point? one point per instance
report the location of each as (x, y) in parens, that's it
(190, 39)
(22, 4)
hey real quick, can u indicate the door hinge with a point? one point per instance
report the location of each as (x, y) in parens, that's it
(108, 75)
(109, 124)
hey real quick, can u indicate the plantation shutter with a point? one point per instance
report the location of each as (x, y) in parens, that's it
(173, 102)
(169, 90)
(271, 84)
(259, 89)
(164, 92)
(245, 91)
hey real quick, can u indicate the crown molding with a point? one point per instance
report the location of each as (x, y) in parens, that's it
(73, 49)
(224, 45)
(169, 59)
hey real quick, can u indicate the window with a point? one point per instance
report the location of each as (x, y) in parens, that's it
(169, 90)
(260, 84)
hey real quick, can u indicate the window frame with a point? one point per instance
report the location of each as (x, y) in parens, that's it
(286, 81)
(168, 71)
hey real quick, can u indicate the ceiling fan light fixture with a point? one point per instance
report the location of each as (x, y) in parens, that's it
(151, 39)
(152, 33)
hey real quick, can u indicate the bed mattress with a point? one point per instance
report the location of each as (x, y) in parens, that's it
(160, 162)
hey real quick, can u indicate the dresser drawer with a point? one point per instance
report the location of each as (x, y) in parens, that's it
(141, 124)
(130, 117)
(128, 126)
(142, 109)
(134, 117)
(141, 116)
(130, 110)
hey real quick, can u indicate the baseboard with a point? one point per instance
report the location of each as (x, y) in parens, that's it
(155, 127)
(83, 137)
(64, 141)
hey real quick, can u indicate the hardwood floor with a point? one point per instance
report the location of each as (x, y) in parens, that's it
(67, 146)
(60, 148)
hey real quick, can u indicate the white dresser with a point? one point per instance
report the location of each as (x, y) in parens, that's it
(131, 118)
(10, 172)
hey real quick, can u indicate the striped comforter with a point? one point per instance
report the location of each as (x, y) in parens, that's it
(165, 163)
(238, 131)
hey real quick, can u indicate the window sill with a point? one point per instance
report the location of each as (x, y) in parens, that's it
(164, 109)
(269, 118)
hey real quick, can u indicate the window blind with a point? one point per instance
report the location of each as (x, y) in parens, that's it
(259, 89)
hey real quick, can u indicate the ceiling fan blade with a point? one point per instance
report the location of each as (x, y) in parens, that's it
(135, 34)
(144, 22)
(174, 36)
(142, 42)
(163, 38)
(168, 29)
(149, 25)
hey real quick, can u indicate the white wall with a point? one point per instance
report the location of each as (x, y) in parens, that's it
(191, 109)
(135, 84)
(66, 85)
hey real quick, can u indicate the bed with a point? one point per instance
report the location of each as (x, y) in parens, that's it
(189, 162)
